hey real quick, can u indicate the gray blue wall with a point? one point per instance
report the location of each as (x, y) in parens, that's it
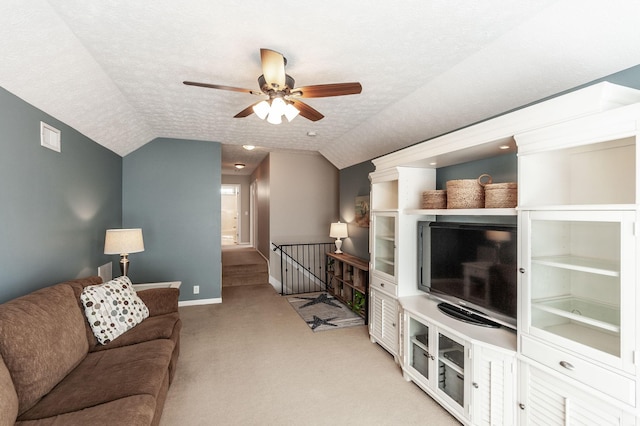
(354, 182)
(172, 191)
(54, 207)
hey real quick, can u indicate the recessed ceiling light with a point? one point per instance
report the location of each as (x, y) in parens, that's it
(249, 147)
(312, 134)
(239, 166)
(504, 147)
(433, 163)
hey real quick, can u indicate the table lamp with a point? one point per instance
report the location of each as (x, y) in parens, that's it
(338, 230)
(123, 242)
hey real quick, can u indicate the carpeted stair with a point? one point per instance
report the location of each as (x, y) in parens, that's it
(243, 266)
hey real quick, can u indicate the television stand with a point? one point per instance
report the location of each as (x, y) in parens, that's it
(466, 315)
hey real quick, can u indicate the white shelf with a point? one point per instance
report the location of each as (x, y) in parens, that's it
(425, 308)
(455, 367)
(166, 284)
(583, 264)
(582, 311)
(582, 207)
(386, 261)
(419, 344)
(461, 212)
(587, 336)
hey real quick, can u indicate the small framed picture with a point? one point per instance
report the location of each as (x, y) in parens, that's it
(362, 211)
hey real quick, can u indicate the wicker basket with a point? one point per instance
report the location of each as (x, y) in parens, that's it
(501, 195)
(435, 199)
(467, 193)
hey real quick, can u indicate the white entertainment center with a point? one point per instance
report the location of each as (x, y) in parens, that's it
(575, 355)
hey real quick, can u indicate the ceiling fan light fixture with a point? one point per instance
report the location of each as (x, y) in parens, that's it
(277, 106)
(279, 87)
(291, 112)
(262, 109)
(274, 118)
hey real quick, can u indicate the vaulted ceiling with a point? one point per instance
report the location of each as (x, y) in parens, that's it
(113, 69)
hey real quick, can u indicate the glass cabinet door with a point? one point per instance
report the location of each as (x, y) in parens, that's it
(579, 276)
(420, 356)
(384, 243)
(451, 368)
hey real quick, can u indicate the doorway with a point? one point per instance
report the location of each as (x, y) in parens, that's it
(230, 213)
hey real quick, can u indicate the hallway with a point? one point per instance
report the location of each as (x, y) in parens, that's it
(243, 265)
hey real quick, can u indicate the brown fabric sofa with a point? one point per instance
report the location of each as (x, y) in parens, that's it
(53, 371)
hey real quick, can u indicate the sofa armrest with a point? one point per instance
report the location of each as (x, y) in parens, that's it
(160, 301)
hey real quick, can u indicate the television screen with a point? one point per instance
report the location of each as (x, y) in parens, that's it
(470, 265)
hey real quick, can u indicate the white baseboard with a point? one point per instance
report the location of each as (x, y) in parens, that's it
(200, 302)
(277, 285)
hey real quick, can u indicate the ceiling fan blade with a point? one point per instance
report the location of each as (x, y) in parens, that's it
(326, 90)
(273, 68)
(307, 112)
(246, 112)
(218, 86)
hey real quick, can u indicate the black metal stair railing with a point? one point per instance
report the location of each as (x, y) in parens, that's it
(303, 267)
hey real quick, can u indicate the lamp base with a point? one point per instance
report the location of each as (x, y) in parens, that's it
(338, 246)
(124, 264)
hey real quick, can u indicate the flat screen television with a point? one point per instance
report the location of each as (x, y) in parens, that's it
(471, 269)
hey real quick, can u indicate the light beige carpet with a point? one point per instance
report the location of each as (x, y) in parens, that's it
(252, 361)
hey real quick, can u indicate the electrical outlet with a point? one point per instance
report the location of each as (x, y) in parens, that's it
(196, 289)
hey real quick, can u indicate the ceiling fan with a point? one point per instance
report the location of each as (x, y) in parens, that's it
(283, 97)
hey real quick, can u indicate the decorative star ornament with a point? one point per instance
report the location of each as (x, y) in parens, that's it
(317, 322)
(322, 298)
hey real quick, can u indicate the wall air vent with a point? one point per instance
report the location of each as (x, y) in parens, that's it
(49, 137)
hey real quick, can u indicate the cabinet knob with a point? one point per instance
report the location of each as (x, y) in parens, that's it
(522, 270)
(567, 365)
(381, 284)
(393, 324)
(475, 385)
(521, 405)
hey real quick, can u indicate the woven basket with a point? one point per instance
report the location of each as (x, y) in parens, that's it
(501, 195)
(467, 193)
(435, 199)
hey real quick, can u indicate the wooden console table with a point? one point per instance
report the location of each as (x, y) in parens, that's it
(348, 281)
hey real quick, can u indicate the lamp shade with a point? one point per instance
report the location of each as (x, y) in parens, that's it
(262, 110)
(123, 241)
(338, 230)
(291, 112)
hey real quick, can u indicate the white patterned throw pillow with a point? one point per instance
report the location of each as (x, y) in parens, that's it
(112, 308)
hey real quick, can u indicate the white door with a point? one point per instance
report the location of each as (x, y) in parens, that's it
(230, 224)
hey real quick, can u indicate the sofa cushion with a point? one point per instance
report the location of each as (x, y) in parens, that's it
(136, 410)
(42, 338)
(160, 300)
(158, 327)
(107, 376)
(8, 397)
(112, 308)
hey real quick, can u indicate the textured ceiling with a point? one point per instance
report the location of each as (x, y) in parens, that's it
(113, 69)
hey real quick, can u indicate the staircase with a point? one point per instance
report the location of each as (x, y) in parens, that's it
(243, 266)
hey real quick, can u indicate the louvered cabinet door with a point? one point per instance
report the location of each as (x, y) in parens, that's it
(383, 321)
(548, 401)
(493, 387)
